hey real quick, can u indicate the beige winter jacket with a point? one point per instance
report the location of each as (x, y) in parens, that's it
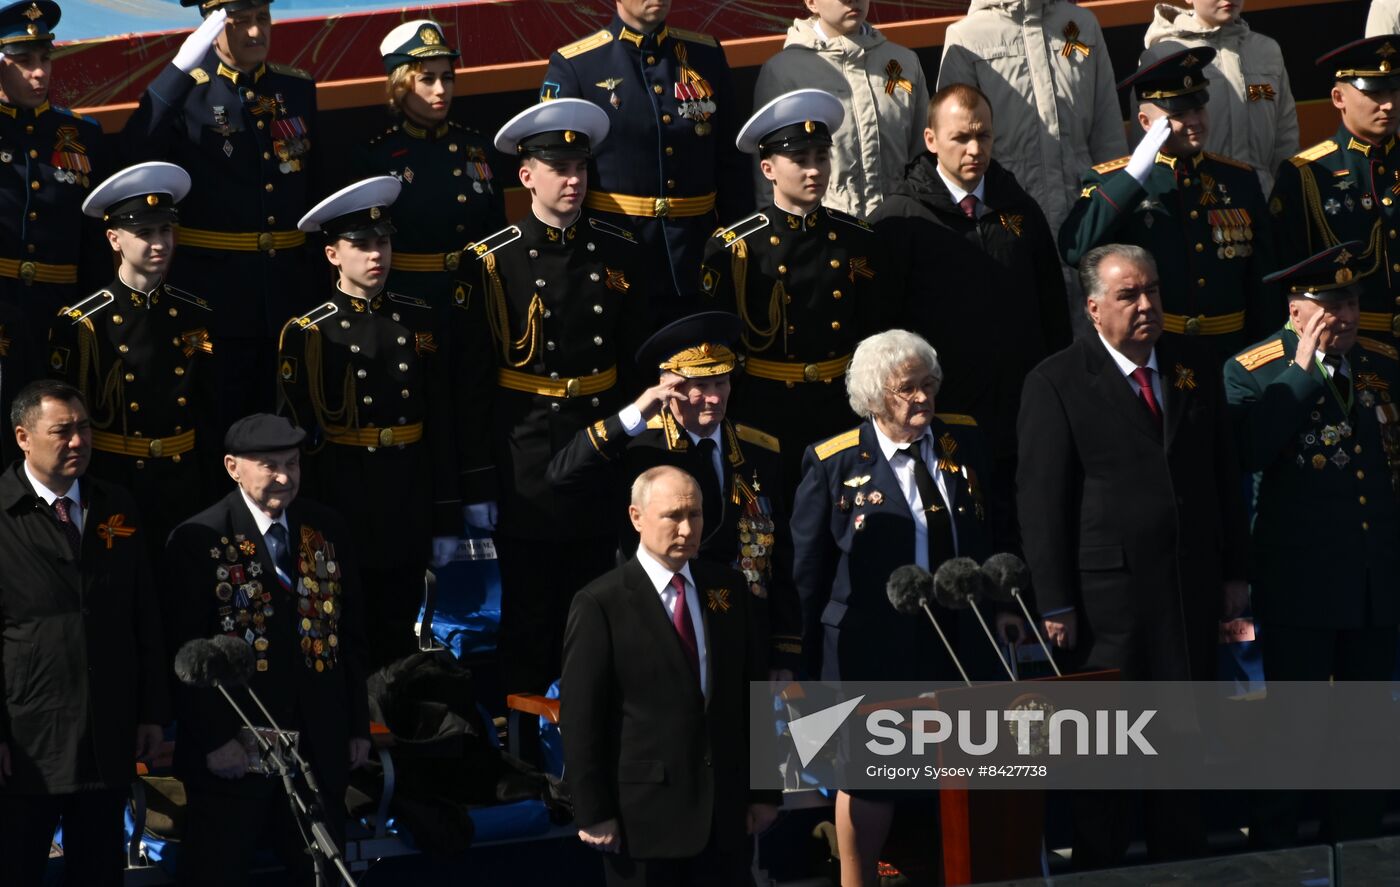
(1252, 116)
(1384, 18)
(1045, 68)
(883, 89)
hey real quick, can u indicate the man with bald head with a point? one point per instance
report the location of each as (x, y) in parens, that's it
(658, 654)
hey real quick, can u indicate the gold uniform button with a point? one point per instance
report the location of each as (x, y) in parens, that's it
(134, 407)
(791, 328)
(117, 320)
(456, 172)
(268, 187)
(267, 155)
(262, 125)
(836, 294)
(34, 215)
(670, 184)
(665, 118)
(1365, 525)
(670, 150)
(175, 458)
(787, 300)
(1392, 233)
(461, 198)
(1395, 267)
(651, 60)
(782, 269)
(836, 263)
(1200, 281)
(130, 377)
(33, 153)
(831, 235)
(1356, 449)
(34, 186)
(181, 401)
(836, 324)
(29, 129)
(774, 240)
(272, 220)
(657, 89)
(1360, 475)
(1361, 499)
(124, 349)
(173, 313)
(179, 371)
(1186, 181)
(1195, 214)
(1200, 247)
(1386, 200)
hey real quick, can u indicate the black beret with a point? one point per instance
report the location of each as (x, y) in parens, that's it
(262, 433)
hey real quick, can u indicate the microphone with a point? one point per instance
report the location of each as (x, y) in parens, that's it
(1007, 575)
(957, 584)
(909, 589)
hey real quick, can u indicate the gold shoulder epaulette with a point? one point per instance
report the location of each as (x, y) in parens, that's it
(654, 422)
(592, 41)
(1321, 149)
(492, 242)
(408, 300)
(843, 441)
(1260, 355)
(200, 76)
(1111, 165)
(759, 438)
(692, 36)
(956, 419)
(1229, 161)
(837, 215)
(288, 70)
(183, 296)
(610, 228)
(1378, 347)
(739, 230)
(89, 306)
(308, 321)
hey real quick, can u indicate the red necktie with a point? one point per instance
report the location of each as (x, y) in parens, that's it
(969, 206)
(685, 628)
(61, 510)
(1143, 376)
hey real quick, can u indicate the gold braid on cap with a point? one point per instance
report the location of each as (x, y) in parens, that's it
(701, 360)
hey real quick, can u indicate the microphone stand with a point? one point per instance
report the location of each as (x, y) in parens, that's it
(944, 638)
(319, 843)
(1016, 593)
(995, 646)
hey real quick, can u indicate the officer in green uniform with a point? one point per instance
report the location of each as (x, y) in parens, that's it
(1314, 414)
(139, 350)
(1201, 215)
(801, 276)
(681, 420)
(360, 373)
(1348, 187)
(451, 197)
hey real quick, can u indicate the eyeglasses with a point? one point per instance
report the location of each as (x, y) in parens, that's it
(929, 386)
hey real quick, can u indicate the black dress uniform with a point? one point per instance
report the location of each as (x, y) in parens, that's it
(250, 140)
(670, 163)
(362, 375)
(306, 636)
(141, 360)
(1201, 217)
(745, 508)
(1347, 188)
(20, 352)
(1324, 439)
(567, 309)
(450, 193)
(49, 160)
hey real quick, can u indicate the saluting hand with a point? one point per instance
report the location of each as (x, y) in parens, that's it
(1145, 154)
(1308, 336)
(196, 46)
(655, 397)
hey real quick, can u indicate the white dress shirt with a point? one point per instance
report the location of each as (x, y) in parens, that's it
(77, 515)
(959, 193)
(903, 468)
(634, 424)
(1344, 366)
(660, 576)
(264, 524)
(1127, 367)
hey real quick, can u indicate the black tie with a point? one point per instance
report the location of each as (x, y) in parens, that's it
(281, 554)
(62, 509)
(940, 522)
(709, 483)
(1335, 362)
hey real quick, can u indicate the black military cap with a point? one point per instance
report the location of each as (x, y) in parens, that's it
(697, 346)
(794, 121)
(559, 129)
(1174, 83)
(414, 41)
(355, 212)
(1328, 276)
(262, 433)
(27, 26)
(1368, 64)
(143, 194)
(229, 6)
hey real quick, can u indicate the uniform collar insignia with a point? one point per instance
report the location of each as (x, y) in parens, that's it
(15, 112)
(9, 110)
(797, 222)
(1166, 160)
(1357, 145)
(237, 77)
(413, 130)
(637, 39)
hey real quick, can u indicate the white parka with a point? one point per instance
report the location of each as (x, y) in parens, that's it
(882, 87)
(1384, 18)
(1252, 115)
(1044, 67)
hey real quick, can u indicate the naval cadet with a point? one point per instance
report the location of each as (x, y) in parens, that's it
(681, 421)
(363, 374)
(452, 197)
(279, 572)
(1314, 412)
(1200, 214)
(246, 131)
(802, 277)
(49, 160)
(670, 164)
(566, 299)
(1347, 187)
(139, 350)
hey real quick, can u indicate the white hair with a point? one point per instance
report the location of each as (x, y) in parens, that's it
(641, 487)
(879, 357)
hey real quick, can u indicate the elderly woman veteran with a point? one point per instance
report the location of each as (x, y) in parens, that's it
(906, 486)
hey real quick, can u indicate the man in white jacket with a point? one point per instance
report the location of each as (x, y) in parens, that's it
(1252, 115)
(1384, 18)
(881, 85)
(1044, 66)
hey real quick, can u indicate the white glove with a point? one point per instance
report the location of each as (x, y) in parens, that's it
(482, 515)
(444, 549)
(196, 46)
(1145, 155)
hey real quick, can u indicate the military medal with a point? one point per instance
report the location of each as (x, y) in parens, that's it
(875, 497)
(228, 148)
(1366, 202)
(611, 85)
(221, 120)
(6, 157)
(1331, 207)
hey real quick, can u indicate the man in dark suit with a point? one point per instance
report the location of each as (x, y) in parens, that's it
(280, 573)
(83, 665)
(1130, 508)
(657, 658)
(681, 421)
